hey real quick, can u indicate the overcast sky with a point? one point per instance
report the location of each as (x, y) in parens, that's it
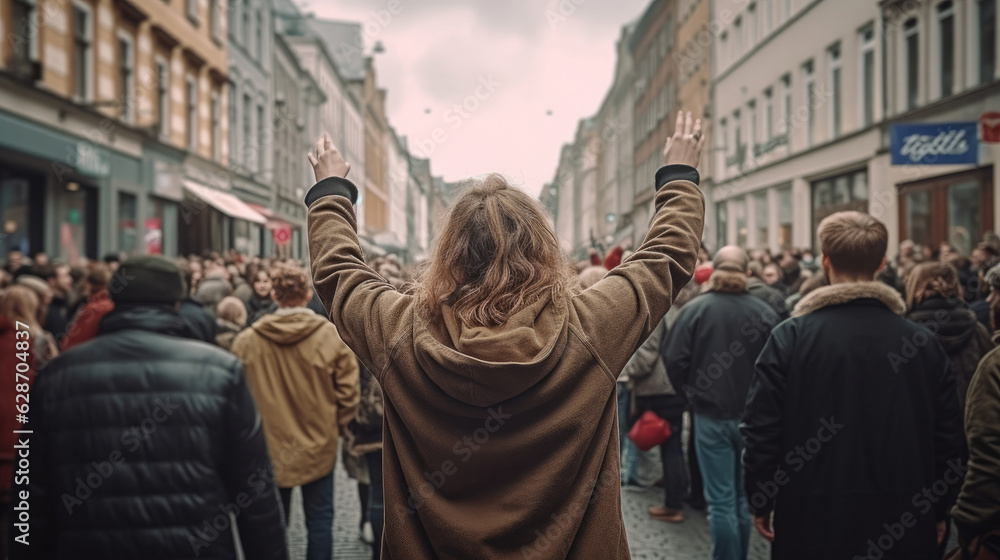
(522, 57)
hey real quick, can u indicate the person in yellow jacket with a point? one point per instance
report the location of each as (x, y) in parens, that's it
(305, 381)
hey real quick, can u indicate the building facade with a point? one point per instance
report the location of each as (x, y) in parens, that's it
(113, 126)
(807, 96)
(795, 112)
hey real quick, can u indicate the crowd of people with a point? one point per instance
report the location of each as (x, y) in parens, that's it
(740, 297)
(842, 405)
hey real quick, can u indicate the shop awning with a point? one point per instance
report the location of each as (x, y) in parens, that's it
(272, 222)
(224, 202)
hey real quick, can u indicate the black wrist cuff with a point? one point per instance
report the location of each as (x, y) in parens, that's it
(332, 186)
(676, 172)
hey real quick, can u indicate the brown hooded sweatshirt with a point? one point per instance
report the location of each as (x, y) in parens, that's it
(304, 380)
(502, 443)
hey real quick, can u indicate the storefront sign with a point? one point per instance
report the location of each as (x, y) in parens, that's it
(990, 125)
(934, 144)
(282, 235)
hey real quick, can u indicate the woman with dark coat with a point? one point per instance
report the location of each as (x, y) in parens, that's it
(260, 302)
(934, 300)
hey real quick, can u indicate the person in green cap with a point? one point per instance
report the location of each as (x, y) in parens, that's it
(145, 443)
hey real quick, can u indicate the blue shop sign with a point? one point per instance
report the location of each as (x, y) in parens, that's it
(934, 143)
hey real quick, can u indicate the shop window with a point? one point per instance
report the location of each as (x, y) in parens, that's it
(77, 222)
(956, 208)
(838, 194)
(740, 215)
(785, 217)
(762, 217)
(128, 234)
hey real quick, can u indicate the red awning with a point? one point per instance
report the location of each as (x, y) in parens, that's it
(272, 222)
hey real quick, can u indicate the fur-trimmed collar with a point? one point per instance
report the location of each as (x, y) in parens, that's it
(843, 293)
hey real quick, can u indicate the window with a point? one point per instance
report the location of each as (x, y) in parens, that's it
(946, 36)
(835, 93)
(911, 38)
(752, 122)
(785, 219)
(192, 113)
(723, 48)
(768, 114)
(191, 8)
(839, 194)
(234, 155)
(261, 135)
(232, 18)
(723, 133)
(24, 36)
(248, 132)
(737, 133)
(163, 95)
(752, 25)
(738, 37)
(213, 18)
(987, 40)
(788, 8)
(768, 17)
(867, 40)
(810, 89)
(722, 224)
(246, 25)
(259, 39)
(786, 84)
(126, 69)
(762, 217)
(740, 216)
(83, 35)
(216, 127)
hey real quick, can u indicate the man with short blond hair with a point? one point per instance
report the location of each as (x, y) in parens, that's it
(852, 427)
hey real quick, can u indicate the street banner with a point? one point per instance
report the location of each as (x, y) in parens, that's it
(934, 143)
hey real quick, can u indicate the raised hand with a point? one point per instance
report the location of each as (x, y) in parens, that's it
(684, 146)
(327, 161)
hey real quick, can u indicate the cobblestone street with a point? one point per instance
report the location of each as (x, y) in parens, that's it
(649, 539)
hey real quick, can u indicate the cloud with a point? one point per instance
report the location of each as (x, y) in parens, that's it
(438, 50)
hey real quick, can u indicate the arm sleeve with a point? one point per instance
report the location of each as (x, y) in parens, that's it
(367, 310)
(676, 351)
(978, 508)
(346, 385)
(633, 298)
(642, 363)
(261, 528)
(761, 425)
(948, 435)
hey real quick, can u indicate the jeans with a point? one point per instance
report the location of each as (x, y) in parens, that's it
(376, 501)
(317, 501)
(719, 449)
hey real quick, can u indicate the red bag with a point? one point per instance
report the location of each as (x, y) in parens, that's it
(649, 431)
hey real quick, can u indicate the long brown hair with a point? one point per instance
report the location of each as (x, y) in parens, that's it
(20, 303)
(932, 279)
(496, 254)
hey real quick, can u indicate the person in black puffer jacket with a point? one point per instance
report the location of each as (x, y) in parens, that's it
(934, 300)
(145, 442)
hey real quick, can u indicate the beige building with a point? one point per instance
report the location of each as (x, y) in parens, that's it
(110, 108)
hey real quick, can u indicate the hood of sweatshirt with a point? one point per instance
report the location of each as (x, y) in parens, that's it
(289, 325)
(482, 366)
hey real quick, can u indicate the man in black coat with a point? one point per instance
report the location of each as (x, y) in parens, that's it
(145, 444)
(710, 354)
(852, 427)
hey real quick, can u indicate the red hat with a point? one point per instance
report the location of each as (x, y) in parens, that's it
(703, 273)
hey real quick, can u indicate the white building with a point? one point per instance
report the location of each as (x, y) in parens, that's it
(397, 184)
(802, 108)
